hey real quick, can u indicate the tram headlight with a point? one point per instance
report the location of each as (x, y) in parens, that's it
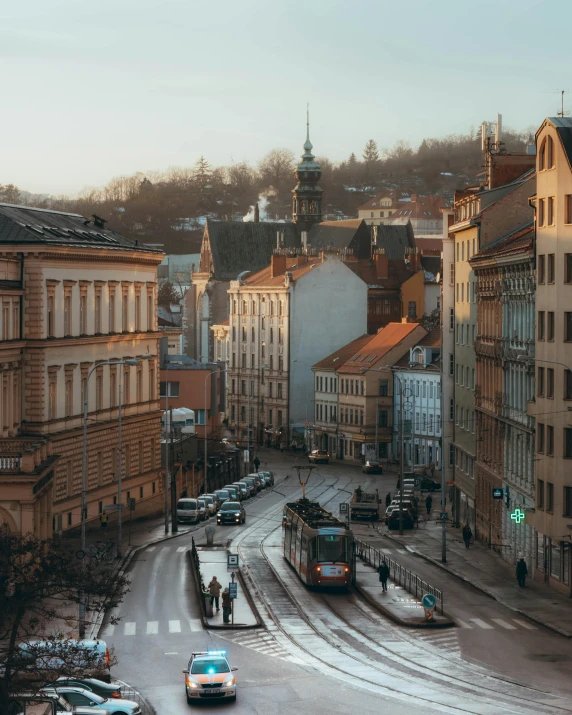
(319, 569)
(346, 569)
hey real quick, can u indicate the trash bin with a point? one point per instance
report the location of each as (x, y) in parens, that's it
(208, 604)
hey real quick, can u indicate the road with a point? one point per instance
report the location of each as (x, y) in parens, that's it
(320, 652)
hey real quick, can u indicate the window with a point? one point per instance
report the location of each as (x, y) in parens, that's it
(252, 360)
(69, 396)
(540, 438)
(567, 326)
(568, 208)
(169, 389)
(125, 313)
(540, 382)
(540, 493)
(549, 440)
(551, 263)
(549, 152)
(151, 382)
(139, 385)
(451, 409)
(383, 388)
(383, 418)
(451, 274)
(280, 363)
(541, 327)
(252, 334)
(451, 364)
(281, 336)
(67, 315)
(99, 392)
(83, 315)
(111, 311)
(550, 211)
(97, 314)
(113, 388)
(51, 319)
(567, 501)
(541, 268)
(550, 325)
(549, 496)
(540, 220)
(567, 385)
(279, 418)
(550, 383)
(412, 309)
(52, 399)
(149, 312)
(127, 386)
(568, 442)
(279, 389)
(451, 318)
(138, 312)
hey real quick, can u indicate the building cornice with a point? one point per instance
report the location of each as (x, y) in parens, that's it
(46, 343)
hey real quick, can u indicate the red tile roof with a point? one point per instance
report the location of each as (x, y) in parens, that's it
(519, 241)
(341, 355)
(429, 244)
(264, 277)
(395, 196)
(432, 339)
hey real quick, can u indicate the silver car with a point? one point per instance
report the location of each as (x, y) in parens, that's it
(188, 510)
(77, 697)
(212, 506)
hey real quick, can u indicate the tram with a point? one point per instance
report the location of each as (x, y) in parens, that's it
(317, 545)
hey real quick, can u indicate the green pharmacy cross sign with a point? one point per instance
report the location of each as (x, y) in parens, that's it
(517, 515)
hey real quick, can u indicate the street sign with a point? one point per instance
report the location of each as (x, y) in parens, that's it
(429, 602)
(443, 516)
(497, 493)
(132, 503)
(344, 507)
(112, 507)
(517, 515)
(232, 562)
(233, 590)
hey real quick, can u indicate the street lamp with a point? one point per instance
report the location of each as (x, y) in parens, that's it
(130, 362)
(213, 372)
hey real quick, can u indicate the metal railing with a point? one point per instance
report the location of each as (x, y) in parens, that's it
(405, 578)
(130, 693)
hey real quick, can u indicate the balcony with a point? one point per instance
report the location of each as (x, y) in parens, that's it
(517, 350)
(488, 347)
(24, 456)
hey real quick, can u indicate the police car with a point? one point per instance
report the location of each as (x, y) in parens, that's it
(209, 676)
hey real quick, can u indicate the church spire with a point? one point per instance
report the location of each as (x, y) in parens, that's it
(307, 196)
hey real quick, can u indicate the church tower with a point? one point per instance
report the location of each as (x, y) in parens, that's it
(307, 196)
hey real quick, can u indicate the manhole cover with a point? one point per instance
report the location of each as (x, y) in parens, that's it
(549, 657)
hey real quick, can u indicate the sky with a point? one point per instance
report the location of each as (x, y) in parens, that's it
(95, 90)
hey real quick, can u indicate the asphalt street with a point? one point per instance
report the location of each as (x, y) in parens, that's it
(323, 653)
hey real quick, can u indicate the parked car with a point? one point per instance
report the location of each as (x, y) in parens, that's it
(407, 504)
(257, 480)
(222, 495)
(252, 484)
(234, 491)
(106, 690)
(203, 509)
(231, 512)
(319, 456)
(243, 490)
(210, 502)
(408, 519)
(41, 703)
(268, 478)
(188, 510)
(215, 499)
(372, 467)
(248, 487)
(87, 699)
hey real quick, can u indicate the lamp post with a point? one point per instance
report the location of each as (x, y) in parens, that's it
(84, 472)
(205, 477)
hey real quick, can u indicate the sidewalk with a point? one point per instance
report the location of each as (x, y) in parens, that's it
(397, 604)
(487, 572)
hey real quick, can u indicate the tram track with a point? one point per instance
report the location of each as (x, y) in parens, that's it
(397, 674)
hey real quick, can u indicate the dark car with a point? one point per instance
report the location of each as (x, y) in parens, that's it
(231, 512)
(372, 467)
(319, 456)
(408, 519)
(418, 481)
(106, 690)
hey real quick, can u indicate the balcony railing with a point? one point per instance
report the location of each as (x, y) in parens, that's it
(10, 463)
(490, 348)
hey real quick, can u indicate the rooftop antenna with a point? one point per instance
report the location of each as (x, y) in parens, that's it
(562, 113)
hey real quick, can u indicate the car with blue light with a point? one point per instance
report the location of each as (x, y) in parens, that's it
(209, 676)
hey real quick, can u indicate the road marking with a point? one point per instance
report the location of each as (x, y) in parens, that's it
(401, 551)
(174, 626)
(181, 549)
(130, 629)
(524, 624)
(152, 627)
(504, 624)
(463, 624)
(109, 631)
(482, 624)
(173, 652)
(151, 548)
(196, 625)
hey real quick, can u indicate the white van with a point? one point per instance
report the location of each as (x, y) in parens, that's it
(188, 510)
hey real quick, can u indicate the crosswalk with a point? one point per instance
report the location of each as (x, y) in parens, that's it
(506, 624)
(446, 639)
(262, 642)
(153, 628)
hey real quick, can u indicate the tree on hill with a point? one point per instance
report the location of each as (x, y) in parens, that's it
(167, 294)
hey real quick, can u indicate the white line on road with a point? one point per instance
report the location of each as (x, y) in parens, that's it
(151, 548)
(152, 627)
(504, 624)
(482, 624)
(129, 629)
(463, 624)
(181, 549)
(109, 631)
(524, 624)
(196, 625)
(174, 626)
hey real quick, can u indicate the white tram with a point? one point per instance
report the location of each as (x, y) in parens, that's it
(319, 546)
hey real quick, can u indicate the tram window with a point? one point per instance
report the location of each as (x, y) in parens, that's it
(332, 547)
(312, 550)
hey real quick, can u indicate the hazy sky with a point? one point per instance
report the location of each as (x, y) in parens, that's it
(92, 90)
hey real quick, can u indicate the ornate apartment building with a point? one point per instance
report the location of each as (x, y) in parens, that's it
(75, 296)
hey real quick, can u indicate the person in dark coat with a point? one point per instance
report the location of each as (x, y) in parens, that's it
(429, 503)
(383, 572)
(387, 499)
(467, 535)
(521, 572)
(226, 605)
(256, 463)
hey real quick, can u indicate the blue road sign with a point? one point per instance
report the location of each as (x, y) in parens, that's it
(429, 601)
(497, 493)
(233, 590)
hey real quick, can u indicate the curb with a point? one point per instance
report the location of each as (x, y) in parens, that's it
(482, 589)
(401, 621)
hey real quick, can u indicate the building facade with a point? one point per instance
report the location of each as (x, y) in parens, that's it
(84, 297)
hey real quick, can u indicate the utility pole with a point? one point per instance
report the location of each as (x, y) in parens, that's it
(174, 524)
(301, 480)
(376, 425)
(167, 434)
(401, 453)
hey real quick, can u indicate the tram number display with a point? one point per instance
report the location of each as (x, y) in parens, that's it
(332, 537)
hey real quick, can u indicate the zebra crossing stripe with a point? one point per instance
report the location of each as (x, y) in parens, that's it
(461, 623)
(130, 629)
(482, 624)
(504, 624)
(152, 627)
(524, 624)
(174, 626)
(195, 625)
(151, 548)
(181, 549)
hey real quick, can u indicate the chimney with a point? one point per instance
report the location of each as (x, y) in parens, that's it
(278, 265)
(415, 264)
(381, 264)
(256, 213)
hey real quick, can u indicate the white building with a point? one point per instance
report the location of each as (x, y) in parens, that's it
(418, 376)
(283, 319)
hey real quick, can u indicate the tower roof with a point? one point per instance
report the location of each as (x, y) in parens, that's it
(308, 162)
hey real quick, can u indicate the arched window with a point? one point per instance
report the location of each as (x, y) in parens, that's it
(542, 156)
(549, 153)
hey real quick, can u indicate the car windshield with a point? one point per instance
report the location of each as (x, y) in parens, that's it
(202, 502)
(208, 500)
(187, 505)
(223, 494)
(208, 666)
(332, 547)
(230, 506)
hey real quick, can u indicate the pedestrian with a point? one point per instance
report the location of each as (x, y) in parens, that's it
(358, 494)
(383, 572)
(429, 504)
(226, 605)
(398, 483)
(467, 535)
(256, 463)
(103, 521)
(521, 572)
(387, 499)
(214, 590)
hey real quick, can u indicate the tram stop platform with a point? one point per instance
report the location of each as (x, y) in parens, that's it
(397, 604)
(213, 562)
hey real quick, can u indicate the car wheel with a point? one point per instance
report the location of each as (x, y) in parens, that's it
(189, 700)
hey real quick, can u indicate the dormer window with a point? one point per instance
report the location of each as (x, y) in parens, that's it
(546, 154)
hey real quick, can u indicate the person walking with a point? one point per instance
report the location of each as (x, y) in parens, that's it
(429, 504)
(214, 590)
(387, 499)
(226, 605)
(256, 464)
(467, 535)
(103, 518)
(383, 572)
(521, 572)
